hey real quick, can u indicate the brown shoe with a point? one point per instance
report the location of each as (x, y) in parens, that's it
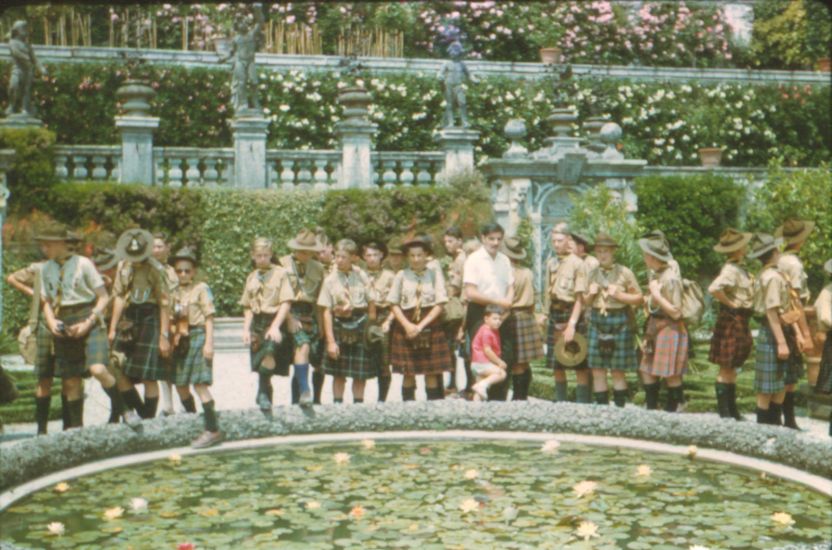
(206, 439)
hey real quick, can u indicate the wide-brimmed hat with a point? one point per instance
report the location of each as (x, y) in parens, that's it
(513, 248)
(828, 266)
(732, 240)
(603, 239)
(656, 247)
(418, 240)
(105, 258)
(185, 253)
(581, 237)
(794, 231)
(573, 353)
(762, 243)
(135, 245)
(57, 232)
(378, 245)
(394, 246)
(306, 240)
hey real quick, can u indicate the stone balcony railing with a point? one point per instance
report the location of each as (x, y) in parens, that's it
(394, 168)
(193, 166)
(303, 170)
(87, 162)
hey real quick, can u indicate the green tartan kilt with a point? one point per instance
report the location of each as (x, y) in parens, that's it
(282, 353)
(771, 373)
(190, 366)
(354, 359)
(623, 355)
(380, 349)
(310, 334)
(142, 359)
(45, 360)
(74, 356)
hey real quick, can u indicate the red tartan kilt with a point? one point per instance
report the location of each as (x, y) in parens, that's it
(410, 361)
(731, 342)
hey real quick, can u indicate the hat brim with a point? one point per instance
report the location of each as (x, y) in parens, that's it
(124, 241)
(753, 255)
(568, 358)
(733, 247)
(109, 264)
(514, 255)
(174, 259)
(295, 245)
(608, 244)
(644, 244)
(808, 227)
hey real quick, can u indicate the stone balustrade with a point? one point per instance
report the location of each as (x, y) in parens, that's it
(394, 168)
(303, 170)
(87, 162)
(193, 166)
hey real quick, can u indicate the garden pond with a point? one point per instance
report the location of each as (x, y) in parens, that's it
(422, 493)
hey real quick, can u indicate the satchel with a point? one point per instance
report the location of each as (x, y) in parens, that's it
(125, 332)
(606, 345)
(27, 341)
(453, 310)
(350, 331)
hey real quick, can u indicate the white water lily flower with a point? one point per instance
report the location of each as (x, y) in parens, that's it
(313, 505)
(469, 505)
(472, 474)
(113, 513)
(56, 528)
(692, 450)
(586, 530)
(368, 444)
(138, 505)
(62, 487)
(341, 458)
(698, 547)
(782, 519)
(584, 488)
(176, 458)
(551, 446)
(644, 470)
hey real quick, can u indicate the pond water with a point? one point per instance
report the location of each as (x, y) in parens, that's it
(421, 493)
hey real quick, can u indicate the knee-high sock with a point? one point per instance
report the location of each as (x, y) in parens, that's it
(560, 392)
(132, 400)
(150, 405)
(788, 412)
(67, 422)
(582, 393)
(409, 394)
(42, 413)
(383, 388)
(302, 376)
(435, 394)
(295, 390)
(674, 398)
(499, 391)
(317, 385)
(189, 404)
(651, 396)
(602, 397)
(520, 385)
(620, 397)
(76, 413)
(116, 403)
(211, 423)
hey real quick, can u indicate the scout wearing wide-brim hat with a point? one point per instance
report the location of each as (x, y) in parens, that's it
(306, 240)
(762, 243)
(602, 239)
(419, 240)
(732, 240)
(581, 238)
(656, 247)
(573, 353)
(514, 249)
(135, 245)
(394, 246)
(57, 232)
(185, 253)
(105, 259)
(794, 231)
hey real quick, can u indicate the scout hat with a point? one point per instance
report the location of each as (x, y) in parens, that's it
(573, 353)
(306, 240)
(762, 243)
(656, 247)
(828, 266)
(418, 240)
(581, 237)
(135, 245)
(513, 248)
(732, 240)
(794, 231)
(185, 253)
(378, 245)
(394, 246)
(105, 258)
(602, 239)
(57, 232)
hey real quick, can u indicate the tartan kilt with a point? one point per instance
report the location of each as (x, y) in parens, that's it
(380, 350)
(45, 359)
(670, 348)
(824, 383)
(553, 334)
(769, 371)
(282, 353)
(142, 354)
(408, 360)
(74, 356)
(525, 333)
(310, 334)
(190, 366)
(794, 369)
(354, 360)
(616, 322)
(731, 341)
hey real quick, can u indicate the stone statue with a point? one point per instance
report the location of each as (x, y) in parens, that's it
(454, 74)
(563, 86)
(23, 71)
(247, 40)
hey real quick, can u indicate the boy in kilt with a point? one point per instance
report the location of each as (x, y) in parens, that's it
(455, 308)
(74, 301)
(194, 344)
(347, 309)
(418, 343)
(731, 341)
(381, 280)
(794, 234)
(267, 299)
(140, 326)
(521, 325)
(106, 261)
(823, 308)
(611, 290)
(161, 252)
(776, 345)
(565, 282)
(324, 257)
(305, 276)
(665, 346)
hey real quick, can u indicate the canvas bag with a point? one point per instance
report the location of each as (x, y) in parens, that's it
(693, 302)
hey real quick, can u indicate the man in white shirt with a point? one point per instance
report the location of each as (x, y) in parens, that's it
(488, 279)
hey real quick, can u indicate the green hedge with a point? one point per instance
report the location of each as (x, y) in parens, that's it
(32, 172)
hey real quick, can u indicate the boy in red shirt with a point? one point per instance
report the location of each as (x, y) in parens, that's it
(486, 363)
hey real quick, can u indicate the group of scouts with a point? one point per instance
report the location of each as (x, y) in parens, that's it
(134, 315)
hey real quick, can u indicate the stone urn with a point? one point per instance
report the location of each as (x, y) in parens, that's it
(551, 56)
(824, 64)
(135, 96)
(710, 157)
(355, 101)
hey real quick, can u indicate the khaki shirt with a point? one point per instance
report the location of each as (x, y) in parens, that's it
(381, 282)
(142, 283)
(671, 288)
(305, 281)
(28, 276)
(564, 277)
(411, 289)
(72, 283)
(617, 275)
(341, 289)
(790, 266)
(735, 281)
(771, 291)
(265, 291)
(195, 301)
(823, 306)
(523, 288)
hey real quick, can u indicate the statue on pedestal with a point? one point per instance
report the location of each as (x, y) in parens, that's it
(23, 71)
(248, 39)
(454, 74)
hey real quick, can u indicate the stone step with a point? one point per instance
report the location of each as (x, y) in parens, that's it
(228, 334)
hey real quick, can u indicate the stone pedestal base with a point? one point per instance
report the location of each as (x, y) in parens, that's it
(356, 164)
(137, 164)
(250, 151)
(458, 144)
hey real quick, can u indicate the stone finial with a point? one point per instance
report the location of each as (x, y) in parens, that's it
(515, 130)
(610, 134)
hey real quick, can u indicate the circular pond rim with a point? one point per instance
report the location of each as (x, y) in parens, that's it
(810, 481)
